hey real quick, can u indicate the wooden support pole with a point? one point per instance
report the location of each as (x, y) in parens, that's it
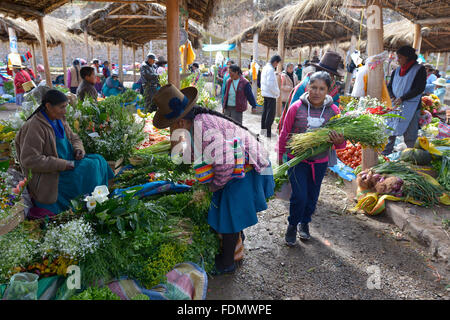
(33, 60)
(63, 52)
(134, 64)
(425, 56)
(173, 35)
(86, 41)
(255, 58)
(375, 76)
(444, 73)
(268, 54)
(121, 60)
(240, 55)
(438, 60)
(143, 53)
(348, 80)
(186, 28)
(43, 41)
(300, 56)
(92, 53)
(108, 48)
(417, 37)
(281, 50)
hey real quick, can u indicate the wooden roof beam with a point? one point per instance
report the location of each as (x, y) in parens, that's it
(429, 43)
(15, 8)
(389, 5)
(420, 8)
(112, 11)
(54, 6)
(137, 16)
(116, 26)
(433, 21)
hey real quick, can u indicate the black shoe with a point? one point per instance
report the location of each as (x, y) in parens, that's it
(291, 235)
(303, 230)
(218, 271)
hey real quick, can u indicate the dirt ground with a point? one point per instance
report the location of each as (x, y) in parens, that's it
(344, 259)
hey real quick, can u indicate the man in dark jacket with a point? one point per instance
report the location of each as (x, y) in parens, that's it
(150, 81)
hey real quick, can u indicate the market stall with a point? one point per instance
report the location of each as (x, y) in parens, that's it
(28, 32)
(129, 24)
(148, 226)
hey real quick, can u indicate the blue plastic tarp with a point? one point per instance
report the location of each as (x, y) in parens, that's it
(156, 187)
(219, 47)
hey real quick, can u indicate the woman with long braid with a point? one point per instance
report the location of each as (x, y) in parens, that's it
(227, 157)
(61, 171)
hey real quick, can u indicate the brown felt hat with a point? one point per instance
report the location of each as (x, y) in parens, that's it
(330, 62)
(173, 104)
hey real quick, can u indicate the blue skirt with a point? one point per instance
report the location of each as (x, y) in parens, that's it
(234, 207)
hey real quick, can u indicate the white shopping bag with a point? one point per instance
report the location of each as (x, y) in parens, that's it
(285, 192)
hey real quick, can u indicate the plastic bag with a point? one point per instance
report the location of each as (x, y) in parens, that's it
(23, 286)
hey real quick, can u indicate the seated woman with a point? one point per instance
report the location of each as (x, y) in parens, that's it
(61, 171)
(112, 86)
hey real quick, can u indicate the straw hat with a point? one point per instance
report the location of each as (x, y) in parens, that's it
(440, 82)
(330, 62)
(172, 104)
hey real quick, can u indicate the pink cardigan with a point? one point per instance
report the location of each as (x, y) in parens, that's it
(217, 130)
(288, 123)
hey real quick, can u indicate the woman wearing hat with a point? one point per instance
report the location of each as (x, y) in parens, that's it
(112, 86)
(405, 88)
(160, 64)
(431, 77)
(227, 157)
(440, 90)
(150, 81)
(20, 78)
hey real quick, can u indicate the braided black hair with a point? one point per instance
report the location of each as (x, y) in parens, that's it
(201, 110)
(53, 97)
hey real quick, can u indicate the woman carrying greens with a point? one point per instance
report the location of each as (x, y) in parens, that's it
(61, 171)
(313, 110)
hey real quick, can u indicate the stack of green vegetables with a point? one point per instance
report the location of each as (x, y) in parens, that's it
(415, 185)
(368, 129)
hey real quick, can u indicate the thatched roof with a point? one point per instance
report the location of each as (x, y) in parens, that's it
(413, 10)
(401, 33)
(200, 11)
(30, 9)
(28, 31)
(313, 29)
(135, 24)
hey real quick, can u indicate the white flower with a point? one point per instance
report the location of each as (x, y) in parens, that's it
(100, 191)
(91, 203)
(94, 135)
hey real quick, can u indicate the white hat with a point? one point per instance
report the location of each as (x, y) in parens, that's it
(440, 82)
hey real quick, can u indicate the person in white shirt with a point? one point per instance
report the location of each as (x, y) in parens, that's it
(270, 92)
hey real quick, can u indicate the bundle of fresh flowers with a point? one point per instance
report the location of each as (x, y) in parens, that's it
(364, 105)
(430, 103)
(106, 128)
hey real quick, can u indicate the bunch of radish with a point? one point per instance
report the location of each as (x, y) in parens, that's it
(351, 156)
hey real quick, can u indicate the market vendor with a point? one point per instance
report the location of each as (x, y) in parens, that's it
(431, 77)
(86, 88)
(314, 109)
(405, 88)
(112, 86)
(150, 81)
(240, 174)
(61, 171)
(441, 87)
(238, 94)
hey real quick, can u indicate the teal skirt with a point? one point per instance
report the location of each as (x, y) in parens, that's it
(89, 172)
(234, 207)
